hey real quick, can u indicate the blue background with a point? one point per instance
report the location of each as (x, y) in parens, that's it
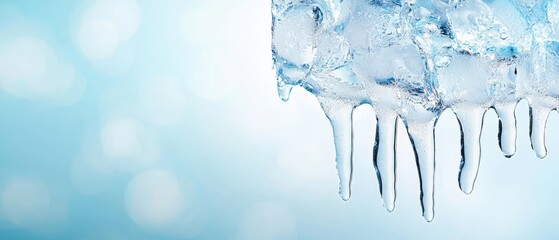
(160, 119)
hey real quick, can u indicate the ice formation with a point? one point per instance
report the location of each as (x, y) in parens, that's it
(412, 59)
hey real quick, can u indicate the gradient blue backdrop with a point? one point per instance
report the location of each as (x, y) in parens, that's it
(133, 119)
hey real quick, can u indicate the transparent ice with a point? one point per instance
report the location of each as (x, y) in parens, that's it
(413, 59)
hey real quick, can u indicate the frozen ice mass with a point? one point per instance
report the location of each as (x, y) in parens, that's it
(413, 59)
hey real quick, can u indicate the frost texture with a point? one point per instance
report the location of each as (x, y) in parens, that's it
(412, 59)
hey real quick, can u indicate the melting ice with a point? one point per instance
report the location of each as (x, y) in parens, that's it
(412, 59)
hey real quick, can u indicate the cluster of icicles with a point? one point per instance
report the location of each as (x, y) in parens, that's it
(413, 59)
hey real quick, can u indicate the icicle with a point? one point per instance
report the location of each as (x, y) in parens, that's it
(538, 120)
(422, 136)
(384, 156)
(507, 128)
(340, 115)
(471, 124)
(418, 63)
(284, 90)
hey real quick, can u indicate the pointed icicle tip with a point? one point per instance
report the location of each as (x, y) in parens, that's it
(284, 90)
(429, 217)
(389, 207)
(345, 194)
(466, 189)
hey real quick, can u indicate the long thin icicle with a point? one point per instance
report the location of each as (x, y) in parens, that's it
(340, 115)
(423, 141)
(384, 156)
